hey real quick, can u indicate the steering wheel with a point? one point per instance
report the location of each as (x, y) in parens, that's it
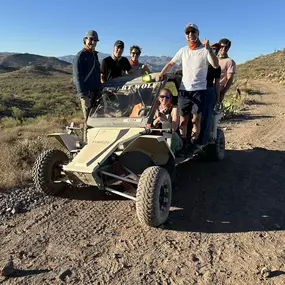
(143, 109)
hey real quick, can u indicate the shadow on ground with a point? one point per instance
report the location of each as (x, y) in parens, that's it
(244, 192)
(254, 102)
(89, 193)
(246, 117)
(24, 273)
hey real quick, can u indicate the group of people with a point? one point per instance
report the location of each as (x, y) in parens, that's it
(207, 74)
(89, 74)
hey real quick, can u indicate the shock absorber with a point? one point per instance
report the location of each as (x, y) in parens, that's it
(120, 172)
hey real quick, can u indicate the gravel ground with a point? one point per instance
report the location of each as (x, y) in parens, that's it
(21, 200)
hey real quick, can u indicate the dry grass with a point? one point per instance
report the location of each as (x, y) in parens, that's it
(270, 67)
(21, 145)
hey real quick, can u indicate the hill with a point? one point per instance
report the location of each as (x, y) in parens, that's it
(270, 67)
(20, 60)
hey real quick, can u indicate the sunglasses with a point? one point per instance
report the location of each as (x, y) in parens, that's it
(164, 97)
(93, 39)
(193, 31)
(135, 53)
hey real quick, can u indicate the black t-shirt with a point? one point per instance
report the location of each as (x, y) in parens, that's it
(212, 74)
(113, 68)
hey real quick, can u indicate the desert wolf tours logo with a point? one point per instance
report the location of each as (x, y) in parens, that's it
(139, 86)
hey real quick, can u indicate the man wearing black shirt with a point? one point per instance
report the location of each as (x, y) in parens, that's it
(212, 97)
(115, 65)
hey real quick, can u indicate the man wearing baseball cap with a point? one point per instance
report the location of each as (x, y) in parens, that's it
(194, 58)
(115, 65)
(86, 72)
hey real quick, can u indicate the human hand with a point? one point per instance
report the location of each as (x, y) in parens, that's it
(206, 44)
(159, 77)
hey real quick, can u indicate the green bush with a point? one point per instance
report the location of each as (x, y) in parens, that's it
(9, 122)
(17, 113)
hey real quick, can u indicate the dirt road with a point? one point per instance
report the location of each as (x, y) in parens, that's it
(227, 221)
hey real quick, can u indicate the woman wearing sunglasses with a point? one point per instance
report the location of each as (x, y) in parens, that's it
(168, 113)
(137, 67)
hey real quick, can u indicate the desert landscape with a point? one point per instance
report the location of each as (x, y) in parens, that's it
(226, 224)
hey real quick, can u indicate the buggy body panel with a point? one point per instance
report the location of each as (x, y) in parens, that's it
(66, 140)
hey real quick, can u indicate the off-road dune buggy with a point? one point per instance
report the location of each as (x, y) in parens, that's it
(123, 153)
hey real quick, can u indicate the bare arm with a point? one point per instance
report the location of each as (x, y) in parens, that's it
(156, 120)
(165, 69)
(175, 117)
(230, 77)
(213, 59)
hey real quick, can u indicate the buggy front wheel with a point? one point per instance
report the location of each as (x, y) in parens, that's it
(47, 171)
(154, 194)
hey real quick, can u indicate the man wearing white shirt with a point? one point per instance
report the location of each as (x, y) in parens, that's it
(194, 58)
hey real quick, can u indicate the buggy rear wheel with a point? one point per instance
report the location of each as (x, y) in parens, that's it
(216, 151)
(154, 194)
(47, 171)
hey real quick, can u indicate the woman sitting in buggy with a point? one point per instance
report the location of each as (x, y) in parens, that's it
(166, 114)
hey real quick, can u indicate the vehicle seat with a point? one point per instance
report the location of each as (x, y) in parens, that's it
(135, 111)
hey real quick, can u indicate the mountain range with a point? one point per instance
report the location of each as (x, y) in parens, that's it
(155, 63)
(19, 60)
(13, 61)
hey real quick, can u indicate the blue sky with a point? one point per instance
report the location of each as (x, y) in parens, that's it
(56, 28)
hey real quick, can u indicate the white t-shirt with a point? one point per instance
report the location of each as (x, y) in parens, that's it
(194, 67)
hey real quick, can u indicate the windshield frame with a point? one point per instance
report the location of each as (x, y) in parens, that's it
(124, 83)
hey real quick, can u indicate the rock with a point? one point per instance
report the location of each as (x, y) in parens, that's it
(65, 273)
(265, 272)
(117, 255)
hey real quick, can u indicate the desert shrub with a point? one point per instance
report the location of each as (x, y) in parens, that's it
(9, 122)
(17, 113)
(20, 146)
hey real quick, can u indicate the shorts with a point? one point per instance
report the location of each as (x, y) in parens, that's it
(191, 102)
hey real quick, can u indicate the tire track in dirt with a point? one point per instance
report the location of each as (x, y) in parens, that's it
(226, 220)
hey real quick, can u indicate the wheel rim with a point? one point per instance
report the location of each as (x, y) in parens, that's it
(163, 196)
(56, 173)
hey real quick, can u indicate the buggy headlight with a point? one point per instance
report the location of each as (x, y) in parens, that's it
(147, 78)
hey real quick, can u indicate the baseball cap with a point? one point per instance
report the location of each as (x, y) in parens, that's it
(215, 45)
(119, 43)
(92, 33)
(190, 26)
